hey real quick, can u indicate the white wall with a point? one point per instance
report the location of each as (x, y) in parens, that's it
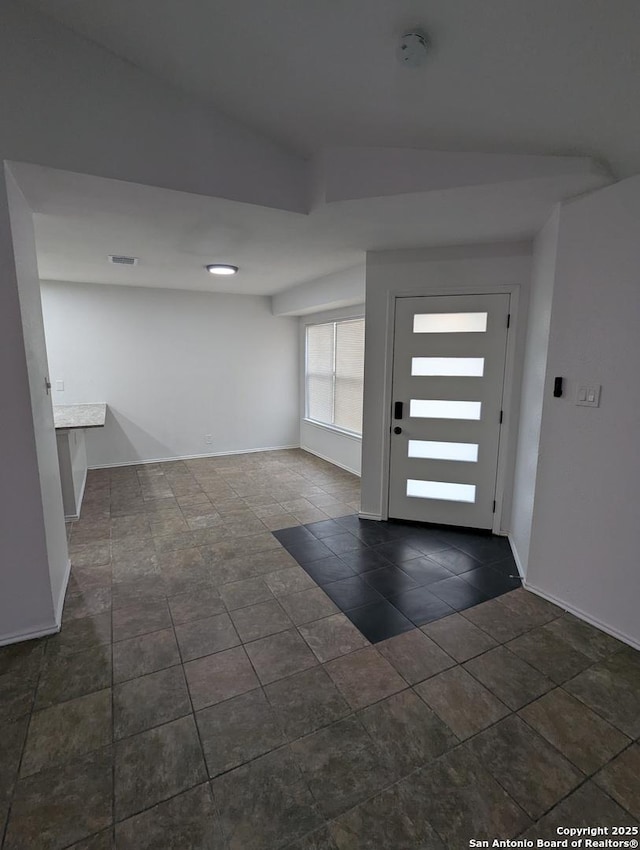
(585, 538)
(533, 387)
(484, 268)
(330, 292)
(344, 450)
(173, 366)
(33, 547)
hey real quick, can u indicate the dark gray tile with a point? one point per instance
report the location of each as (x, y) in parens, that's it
(126, 593)
(341, 543)
(308, 605)
(148, 701)
(196, 605)
(328, 570)
(65, 677)
(352, 592)
(536, 775)
(461, 702)
(459, 637)
(306, 702)
(621, 780)
(265, 804)
(340, 765)
(389, 581)
(510, 678)
(550, 654)
(238, 730)
(461, 800)
(204, 637)
(612, 689)
(67, 730)
(420, 605)
(145, 654)
(218, 677)
(379, 621)
(280, 655)
(581, 735)
(384, 822)
(240, 594)
(455, 561)
(57, 807)
(332, 637)
(140, 619)
(173, 751)
(186, 822)
(406, 732)
(585, 807)
(364, 677)
(415, 656)
(258, 621)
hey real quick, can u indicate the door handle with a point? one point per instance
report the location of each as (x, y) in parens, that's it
(397, 430)
(397, 410)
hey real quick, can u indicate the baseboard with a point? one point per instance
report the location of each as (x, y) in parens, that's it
(330, 460)
(32, 634)
(61, 596)
(81, 496)
(375, 517)
(582, 615)
(516, 557)
(193, 457)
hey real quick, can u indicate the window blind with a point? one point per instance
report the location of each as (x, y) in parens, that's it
(334, 373)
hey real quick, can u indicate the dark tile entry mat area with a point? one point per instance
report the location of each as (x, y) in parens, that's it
(388, 577)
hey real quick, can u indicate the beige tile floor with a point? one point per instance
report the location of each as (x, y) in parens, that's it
(204, 693)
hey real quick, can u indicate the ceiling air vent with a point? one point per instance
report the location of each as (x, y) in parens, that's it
(119, 260)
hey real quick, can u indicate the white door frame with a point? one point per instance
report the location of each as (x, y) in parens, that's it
(509, 427)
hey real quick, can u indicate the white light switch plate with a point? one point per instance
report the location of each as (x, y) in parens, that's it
(59, 386)
(588, 396)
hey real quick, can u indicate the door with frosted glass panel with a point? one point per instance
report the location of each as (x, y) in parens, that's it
(448, 376)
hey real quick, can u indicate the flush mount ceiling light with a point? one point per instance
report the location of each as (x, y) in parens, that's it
(413, 49)
(221, 268)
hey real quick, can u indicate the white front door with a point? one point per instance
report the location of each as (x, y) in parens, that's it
(448, 376)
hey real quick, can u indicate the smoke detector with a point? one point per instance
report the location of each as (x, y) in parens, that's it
(120, 260)
(413, 49)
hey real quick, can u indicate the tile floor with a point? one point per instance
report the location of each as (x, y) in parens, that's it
(207, 692)
(390, 577)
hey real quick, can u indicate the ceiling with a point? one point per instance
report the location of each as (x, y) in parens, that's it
(526, 76)
(80, 220)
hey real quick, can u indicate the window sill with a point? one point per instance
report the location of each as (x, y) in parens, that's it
(333, 429)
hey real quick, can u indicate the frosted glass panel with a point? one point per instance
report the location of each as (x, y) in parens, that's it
(472, 367)
(467, 452)
(449, 323)
(441, 490)
(439, 409)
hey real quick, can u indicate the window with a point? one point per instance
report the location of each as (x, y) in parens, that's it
(334, 374)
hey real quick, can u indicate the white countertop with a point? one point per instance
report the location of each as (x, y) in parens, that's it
(67, 416)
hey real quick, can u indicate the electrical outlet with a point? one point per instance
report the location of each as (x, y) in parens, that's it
(208, 438)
